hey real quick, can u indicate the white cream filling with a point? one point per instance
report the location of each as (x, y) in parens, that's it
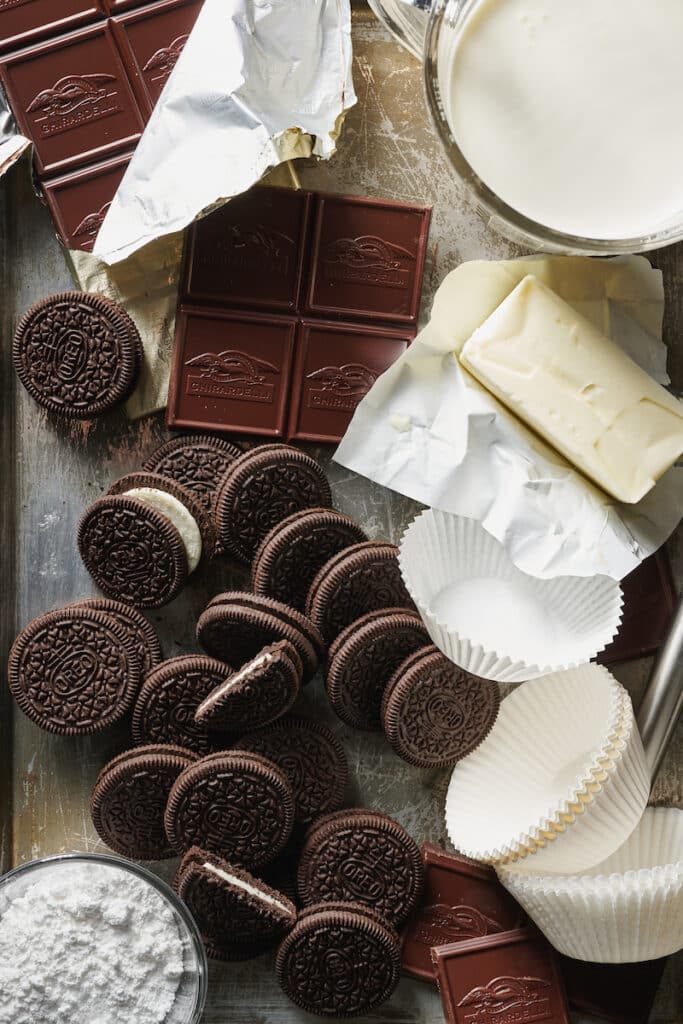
(229, 684)
(246, 887)
(178, 515)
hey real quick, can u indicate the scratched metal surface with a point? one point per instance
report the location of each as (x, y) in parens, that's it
(49, 475)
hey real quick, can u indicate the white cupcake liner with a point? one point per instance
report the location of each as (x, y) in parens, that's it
(492, 619)
(627, 909)
(559, 783)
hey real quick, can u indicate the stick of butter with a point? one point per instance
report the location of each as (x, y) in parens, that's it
(578, 390)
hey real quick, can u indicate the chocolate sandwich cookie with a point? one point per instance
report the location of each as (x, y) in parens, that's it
(142, 632)
(74, 671)
(312, 758)
(129, 799)
(132, 551)
(358, 580)
(434, 713)
(362, 856)
(155, 489)
(239, 916)
(258, 693)
(236, 626)
(233, 803)
(339, 961)
(291, 555)
(166, 706)
(363, 658)
(196, 462)
(77, 355)
(260, 489)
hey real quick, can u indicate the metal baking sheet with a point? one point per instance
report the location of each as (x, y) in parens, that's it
(49, 473)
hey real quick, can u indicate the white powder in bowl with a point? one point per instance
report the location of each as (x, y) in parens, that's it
(87, 943)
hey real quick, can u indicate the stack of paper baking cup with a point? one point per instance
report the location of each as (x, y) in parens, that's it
(560, 782)
(494, 620)
(627, 909)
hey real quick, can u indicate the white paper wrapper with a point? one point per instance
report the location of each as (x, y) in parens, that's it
(625, 910)
(560, 782)
(428, 430)
(494, 620)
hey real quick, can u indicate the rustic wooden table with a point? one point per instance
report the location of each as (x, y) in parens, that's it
(50, 473)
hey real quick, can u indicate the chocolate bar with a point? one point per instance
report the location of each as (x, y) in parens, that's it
(79, 201)
(461, 900)
(275, 251)
(650, 600)
(620, 993)
(23, 23)
(509, 978)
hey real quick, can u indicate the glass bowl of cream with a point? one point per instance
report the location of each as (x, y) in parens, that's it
(563, 118)
(96, 939)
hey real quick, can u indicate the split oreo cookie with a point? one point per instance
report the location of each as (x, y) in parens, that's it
(142, 632)
(129, 799)
(434, 713)
(239, 916)
(196, 462)
(77, 355)
(232, 803)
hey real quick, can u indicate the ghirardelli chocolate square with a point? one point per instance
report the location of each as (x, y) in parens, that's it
(461, 900)
(79, 201)
(509, 978)
(368, 259)
(22, 22)
(231, 371)
(151, 40)
(650, 600)
(335, 367)
(72, 98)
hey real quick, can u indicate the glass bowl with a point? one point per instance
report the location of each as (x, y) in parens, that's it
(191, 996)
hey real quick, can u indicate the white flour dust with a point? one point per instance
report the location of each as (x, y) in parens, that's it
(87, 944)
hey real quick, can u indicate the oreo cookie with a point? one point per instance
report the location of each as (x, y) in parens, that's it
(77, 355)
(339, 961)
(434, 713)
(74, 671)
(232, 803)
(358, 580)
(260, 489)
(129, 799)
(312, 758)
(133, 552)
(166, 706)
(196, 462)
(291, 555)
(142, 633)
(239, 916)
(237, 625)
(362, 856)
(257, 694)
(364, 657)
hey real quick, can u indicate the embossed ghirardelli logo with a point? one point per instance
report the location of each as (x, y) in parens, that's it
(73, 101)
(508, 1000)
(161, 63)
(230, 374)
(6, 5)
(90, 226)
(361, 879)
(258, 248)
(368, 260)
(339, 387)
(440, 924)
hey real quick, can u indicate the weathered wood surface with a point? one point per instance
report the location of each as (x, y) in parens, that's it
(388, 148)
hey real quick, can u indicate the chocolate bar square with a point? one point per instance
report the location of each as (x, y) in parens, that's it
(509, 978)
(335, 367)
(72, 98)
(461, 901)
(79, 201)
(620, 993)
(368, 259)
(151, 40)
(250, 252)
(650, 600)
(231, 371)
(23, 22)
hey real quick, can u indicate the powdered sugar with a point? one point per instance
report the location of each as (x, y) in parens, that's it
(87, 943)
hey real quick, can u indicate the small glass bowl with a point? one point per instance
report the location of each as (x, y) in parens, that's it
(192, 990)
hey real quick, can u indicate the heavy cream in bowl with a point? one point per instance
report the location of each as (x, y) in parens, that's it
(569, 112)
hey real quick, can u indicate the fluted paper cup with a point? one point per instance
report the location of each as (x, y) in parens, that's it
(561, 780)
(627, 909)
(492, 619)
